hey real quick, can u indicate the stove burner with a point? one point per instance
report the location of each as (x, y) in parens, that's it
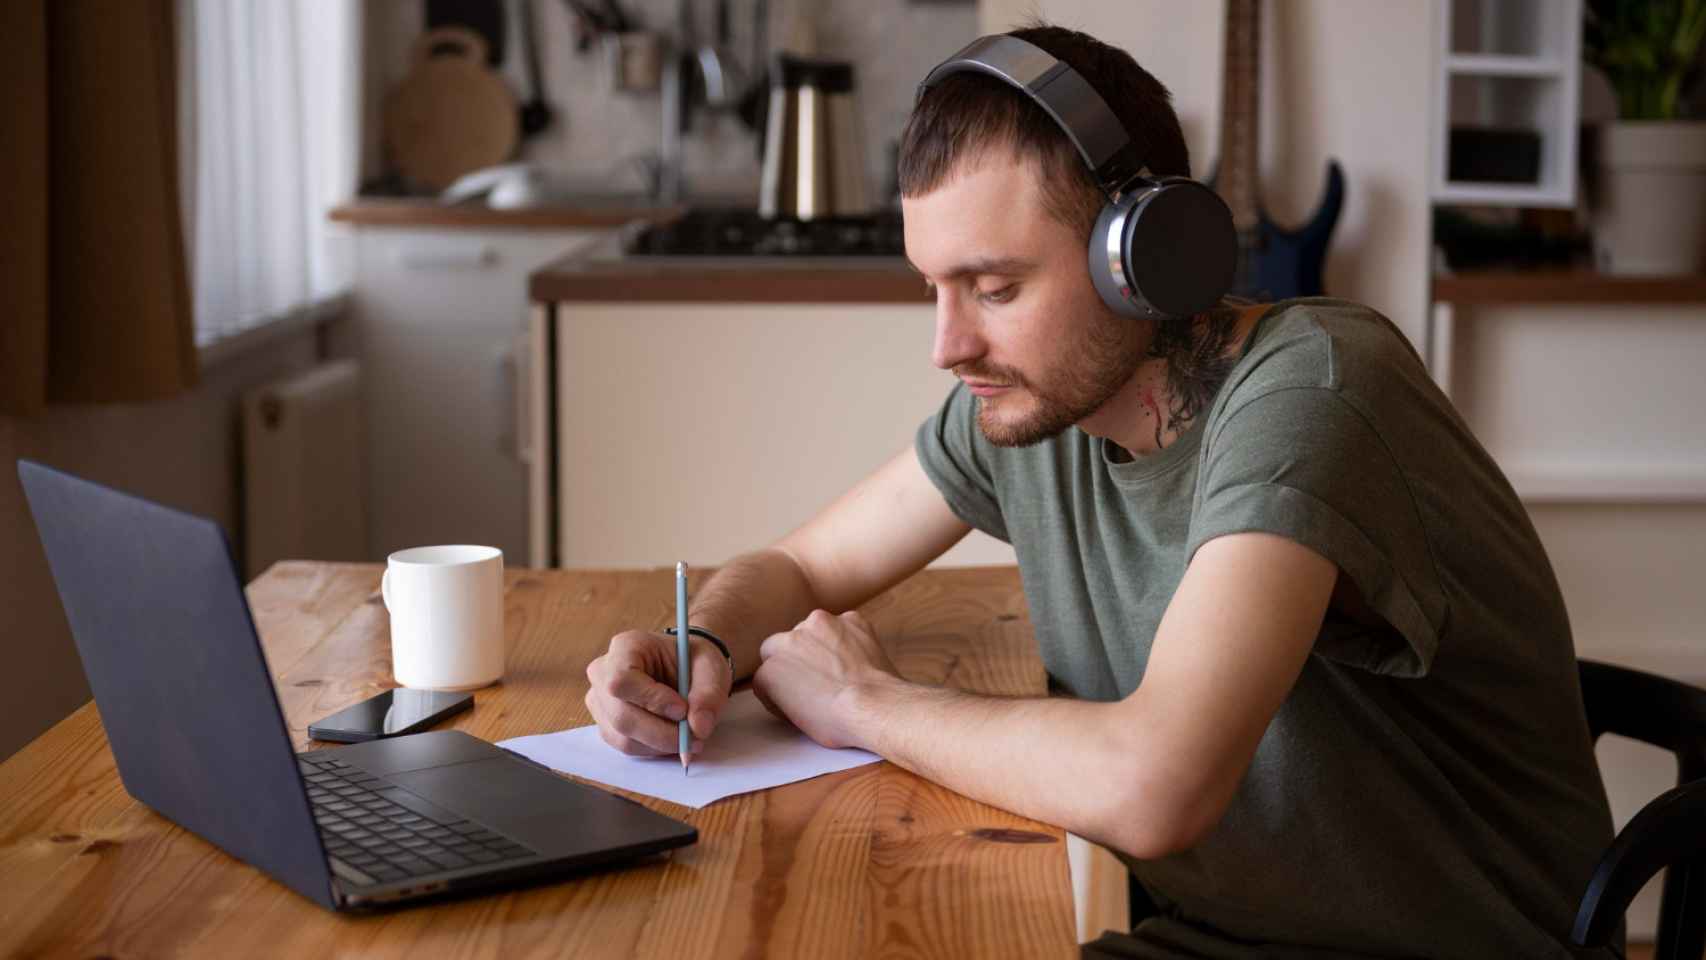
(719, 233)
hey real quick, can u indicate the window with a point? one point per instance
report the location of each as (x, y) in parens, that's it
(269, 135)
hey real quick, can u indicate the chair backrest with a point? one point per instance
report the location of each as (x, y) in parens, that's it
(1652, 709)
(1667, 833)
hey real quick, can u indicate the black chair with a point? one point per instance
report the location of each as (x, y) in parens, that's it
(1669, 832)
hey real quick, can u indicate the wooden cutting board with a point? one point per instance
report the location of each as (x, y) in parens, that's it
(451, 114)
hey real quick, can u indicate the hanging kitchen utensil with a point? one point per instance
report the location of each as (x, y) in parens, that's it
(634, 60)
(721, 78)
(598, 21)
(451, 114)
(755, 101)
(484, 17)
(589, 24)
(619, 21)
(535, 113)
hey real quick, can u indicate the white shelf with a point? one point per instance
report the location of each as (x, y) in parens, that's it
(1503, 65)
(1499, 194)
(1511, 65)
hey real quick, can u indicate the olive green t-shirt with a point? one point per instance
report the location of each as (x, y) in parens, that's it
(1428, 787)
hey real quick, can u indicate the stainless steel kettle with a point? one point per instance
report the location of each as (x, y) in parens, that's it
(814, 157)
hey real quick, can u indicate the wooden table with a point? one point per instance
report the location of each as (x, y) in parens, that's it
(873, 861)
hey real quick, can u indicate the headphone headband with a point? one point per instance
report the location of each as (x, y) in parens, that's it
(1108, 149)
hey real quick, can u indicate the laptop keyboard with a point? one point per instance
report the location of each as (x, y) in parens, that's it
(375, 837)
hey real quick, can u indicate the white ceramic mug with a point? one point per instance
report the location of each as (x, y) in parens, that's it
(447, 616)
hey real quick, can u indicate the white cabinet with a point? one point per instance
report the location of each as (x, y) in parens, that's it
(435, 313)
(1508, 65)
(698, 431)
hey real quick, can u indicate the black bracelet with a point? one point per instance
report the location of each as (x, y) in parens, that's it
(720, 645)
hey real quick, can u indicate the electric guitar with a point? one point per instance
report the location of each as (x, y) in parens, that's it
(1273, 263)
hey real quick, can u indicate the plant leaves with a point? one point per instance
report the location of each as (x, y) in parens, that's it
(1649, 49)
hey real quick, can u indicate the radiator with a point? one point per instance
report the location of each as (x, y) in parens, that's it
(303, 476)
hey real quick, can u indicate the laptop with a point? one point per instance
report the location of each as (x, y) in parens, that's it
(182, 685)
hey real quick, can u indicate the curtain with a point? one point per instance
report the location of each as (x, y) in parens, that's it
(95, 303)
(273, 92)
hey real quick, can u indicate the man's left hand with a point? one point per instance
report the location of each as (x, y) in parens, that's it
(817, 675)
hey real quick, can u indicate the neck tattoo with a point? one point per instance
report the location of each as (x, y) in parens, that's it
(1197, 350)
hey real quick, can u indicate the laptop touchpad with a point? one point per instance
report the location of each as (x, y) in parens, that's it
(535, 806)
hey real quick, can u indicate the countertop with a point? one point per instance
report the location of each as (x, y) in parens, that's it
(591, 213)
(601, 273)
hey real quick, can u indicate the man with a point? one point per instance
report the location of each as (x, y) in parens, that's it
(1317, 685)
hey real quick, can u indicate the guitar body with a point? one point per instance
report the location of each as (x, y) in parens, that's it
(1277, 264)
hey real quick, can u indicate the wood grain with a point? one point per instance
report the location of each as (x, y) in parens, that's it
(427, 212)
(1573, 285)
(872, 861)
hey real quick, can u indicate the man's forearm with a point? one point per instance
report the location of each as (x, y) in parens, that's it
(1067, 762)
(749, 598)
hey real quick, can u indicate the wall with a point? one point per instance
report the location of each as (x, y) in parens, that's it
(596, 135)
(1343, 79)
(1600, 401)
(182, 452)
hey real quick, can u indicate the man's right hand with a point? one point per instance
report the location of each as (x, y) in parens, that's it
(633, 698)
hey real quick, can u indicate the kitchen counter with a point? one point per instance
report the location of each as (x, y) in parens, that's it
(593, 212)
(602, 274)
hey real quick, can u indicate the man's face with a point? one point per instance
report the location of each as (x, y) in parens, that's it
(1016, 315)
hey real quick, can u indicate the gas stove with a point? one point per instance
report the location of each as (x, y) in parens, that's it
(713, 232)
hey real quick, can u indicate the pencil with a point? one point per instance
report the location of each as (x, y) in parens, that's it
(683, 682)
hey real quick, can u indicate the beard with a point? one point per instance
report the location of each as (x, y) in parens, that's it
(1092, 366)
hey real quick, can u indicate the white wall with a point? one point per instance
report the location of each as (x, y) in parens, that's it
(1344, 79)
(1593, 411)
(1603, 400)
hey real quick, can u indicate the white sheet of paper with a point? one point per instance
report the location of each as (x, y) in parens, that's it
(750, 750)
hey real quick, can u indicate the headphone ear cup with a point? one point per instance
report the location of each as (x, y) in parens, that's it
(1164, 248)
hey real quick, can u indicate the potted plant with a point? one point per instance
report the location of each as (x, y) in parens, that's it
(1649, 205)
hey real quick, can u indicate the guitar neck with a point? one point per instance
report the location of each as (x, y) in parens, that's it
(1239, 111)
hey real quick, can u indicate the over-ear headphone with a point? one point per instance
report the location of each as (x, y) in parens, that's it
(1162, 246)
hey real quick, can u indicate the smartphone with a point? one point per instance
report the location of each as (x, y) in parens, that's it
(390, 714)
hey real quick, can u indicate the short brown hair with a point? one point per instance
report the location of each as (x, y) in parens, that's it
(969, 113)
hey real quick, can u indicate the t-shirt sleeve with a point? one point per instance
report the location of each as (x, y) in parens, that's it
(1302, 463)
(953, 455)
